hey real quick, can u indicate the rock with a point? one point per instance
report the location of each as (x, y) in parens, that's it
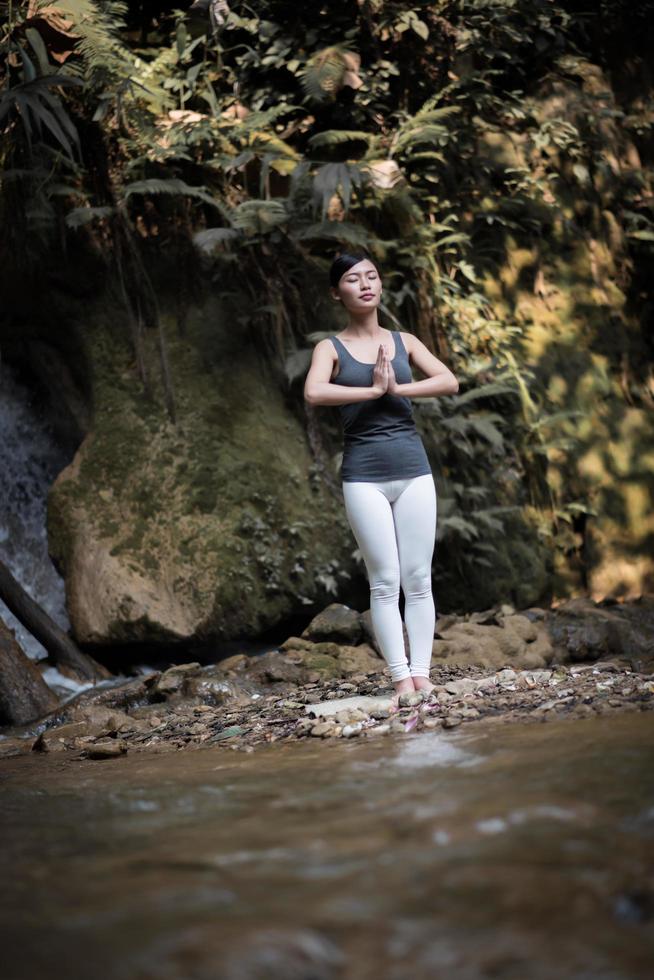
(132, 693)
(337, 624)
(237, 662)
(56, 739)
(466, 685)
(532, 660)
(582, 630)
(365, 703)
(213, 688)
(274, 666)
(518, 640)
(351, 717)
(108, 749)
(24, 695)
(172, 680)
(323, 729)
(444, 623)
(315, 661)
(451, 721)
(349, 731)
(361, 659)
(296, 643)
(101, 720)
(189, 530)
(485, 618)
(408, 699)
(524, 627)
(304, 726)
(487, 683)
(14, 746)
(381, 711)
(534, 614)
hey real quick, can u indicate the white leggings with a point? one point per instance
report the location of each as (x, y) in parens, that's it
(394, 523)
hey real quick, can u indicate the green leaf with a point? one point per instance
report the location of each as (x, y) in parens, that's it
(468, 271)
(83, 216)
(172, 185)
(209, 238)
(420, 28)
(28, 67)
(333, 137)
(35, 39)
(483, 425)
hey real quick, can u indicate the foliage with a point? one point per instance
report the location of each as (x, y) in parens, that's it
(442, 136)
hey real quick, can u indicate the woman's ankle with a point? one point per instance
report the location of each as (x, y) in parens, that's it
(406, 684)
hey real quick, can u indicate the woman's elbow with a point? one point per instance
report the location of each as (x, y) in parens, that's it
(455, 385)
(309, 395)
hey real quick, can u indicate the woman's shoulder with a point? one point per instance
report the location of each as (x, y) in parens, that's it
(326, 346)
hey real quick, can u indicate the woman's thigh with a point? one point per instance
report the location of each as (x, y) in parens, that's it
(414, 513)
(370, 516)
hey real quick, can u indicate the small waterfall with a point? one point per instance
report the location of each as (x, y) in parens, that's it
(30, 459)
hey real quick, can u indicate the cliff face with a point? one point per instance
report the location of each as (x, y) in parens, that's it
(211, 528)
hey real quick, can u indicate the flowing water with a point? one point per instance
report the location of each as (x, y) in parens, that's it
(522, 851)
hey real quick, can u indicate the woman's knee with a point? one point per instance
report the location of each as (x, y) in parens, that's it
(385, 584)
(416, 583)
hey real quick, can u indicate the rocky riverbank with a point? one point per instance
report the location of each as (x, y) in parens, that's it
(578, 660)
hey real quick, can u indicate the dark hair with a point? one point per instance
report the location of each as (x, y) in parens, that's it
(345, 261)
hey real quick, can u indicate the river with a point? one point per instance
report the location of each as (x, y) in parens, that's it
(520, 851)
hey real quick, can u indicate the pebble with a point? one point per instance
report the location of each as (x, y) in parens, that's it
(349, 731)
(334, 709)
(323, 728)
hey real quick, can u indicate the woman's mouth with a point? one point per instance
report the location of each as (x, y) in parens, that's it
(367, 296)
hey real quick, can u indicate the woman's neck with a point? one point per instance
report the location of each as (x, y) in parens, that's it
(364, 326)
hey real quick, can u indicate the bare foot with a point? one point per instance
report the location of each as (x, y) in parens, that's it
(406, 684)
(423, 684)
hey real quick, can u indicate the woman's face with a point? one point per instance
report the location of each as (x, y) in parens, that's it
(360, 287)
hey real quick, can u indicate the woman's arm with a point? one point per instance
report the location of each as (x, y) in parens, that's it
(318, 390)
(440, 380)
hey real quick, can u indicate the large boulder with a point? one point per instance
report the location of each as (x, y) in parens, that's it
(211, 527)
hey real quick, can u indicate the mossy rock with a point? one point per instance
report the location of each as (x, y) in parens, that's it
(209, 527)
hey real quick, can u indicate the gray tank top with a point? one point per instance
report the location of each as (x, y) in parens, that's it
(380, 439)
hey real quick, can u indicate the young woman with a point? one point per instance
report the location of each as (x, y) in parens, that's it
(387, 482)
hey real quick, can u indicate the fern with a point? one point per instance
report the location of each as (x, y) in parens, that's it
(336, 137)
(173, 186)
(104, 56)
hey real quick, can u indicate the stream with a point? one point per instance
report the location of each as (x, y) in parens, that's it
(519, 851)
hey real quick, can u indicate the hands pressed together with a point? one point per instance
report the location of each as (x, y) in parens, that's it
(383, 375)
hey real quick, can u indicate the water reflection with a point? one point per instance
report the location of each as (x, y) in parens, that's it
(521, 851)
